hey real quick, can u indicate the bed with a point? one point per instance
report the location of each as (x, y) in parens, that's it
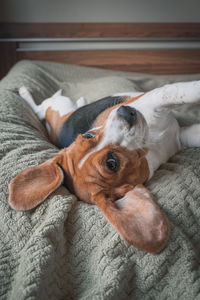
(64, 248)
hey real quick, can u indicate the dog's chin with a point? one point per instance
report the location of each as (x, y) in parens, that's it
(137, 135)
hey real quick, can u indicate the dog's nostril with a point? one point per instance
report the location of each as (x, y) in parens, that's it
(129, 114)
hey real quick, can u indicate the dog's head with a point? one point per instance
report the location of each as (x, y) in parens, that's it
(107, 167)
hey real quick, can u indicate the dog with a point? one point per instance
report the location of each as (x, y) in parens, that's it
(110, 149)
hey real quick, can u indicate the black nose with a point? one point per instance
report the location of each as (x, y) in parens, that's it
(129, 114)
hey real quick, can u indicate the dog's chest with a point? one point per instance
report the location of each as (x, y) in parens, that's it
(164, 141)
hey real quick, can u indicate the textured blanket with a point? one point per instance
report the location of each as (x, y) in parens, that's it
(66, 249)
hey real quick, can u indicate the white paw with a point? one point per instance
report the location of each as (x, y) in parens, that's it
(81, 102)
(23, 92)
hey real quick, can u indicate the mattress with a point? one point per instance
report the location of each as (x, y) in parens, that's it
(65, 248)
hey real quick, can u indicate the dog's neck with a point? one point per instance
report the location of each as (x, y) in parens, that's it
(163, 142)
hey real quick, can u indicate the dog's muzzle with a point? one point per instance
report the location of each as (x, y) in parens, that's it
(129, 114)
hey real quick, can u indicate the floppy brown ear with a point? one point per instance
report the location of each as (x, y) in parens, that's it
(33, 185)
(137, 218)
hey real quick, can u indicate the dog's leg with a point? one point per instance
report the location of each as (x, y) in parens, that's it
(190, 136)
(175, 94)
(58, 103)
(161, 100)
(54, 110)
(81, 102)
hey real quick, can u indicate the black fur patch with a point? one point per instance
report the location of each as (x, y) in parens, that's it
(83, 119)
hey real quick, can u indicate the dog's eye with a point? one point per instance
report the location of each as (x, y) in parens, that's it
(89, 135)
(112, 162)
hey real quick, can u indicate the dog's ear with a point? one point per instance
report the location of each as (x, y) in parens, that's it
(137, 218)
(33, 185)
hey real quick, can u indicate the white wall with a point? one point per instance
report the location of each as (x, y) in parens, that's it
(100, 10)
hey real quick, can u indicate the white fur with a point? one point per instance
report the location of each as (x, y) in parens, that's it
(81, 102)
(190, 135)
(96, 128)
(166, 97)
(61, 104)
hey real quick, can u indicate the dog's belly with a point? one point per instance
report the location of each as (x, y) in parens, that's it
(164, 142)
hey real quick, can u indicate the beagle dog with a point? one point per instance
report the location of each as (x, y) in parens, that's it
(110, 149)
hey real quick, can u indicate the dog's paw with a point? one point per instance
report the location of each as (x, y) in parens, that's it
(81, 102)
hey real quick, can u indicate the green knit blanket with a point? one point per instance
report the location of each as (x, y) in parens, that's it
(66, 249)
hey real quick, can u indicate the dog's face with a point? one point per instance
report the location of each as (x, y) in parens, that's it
(105, 166)
(110, 156)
